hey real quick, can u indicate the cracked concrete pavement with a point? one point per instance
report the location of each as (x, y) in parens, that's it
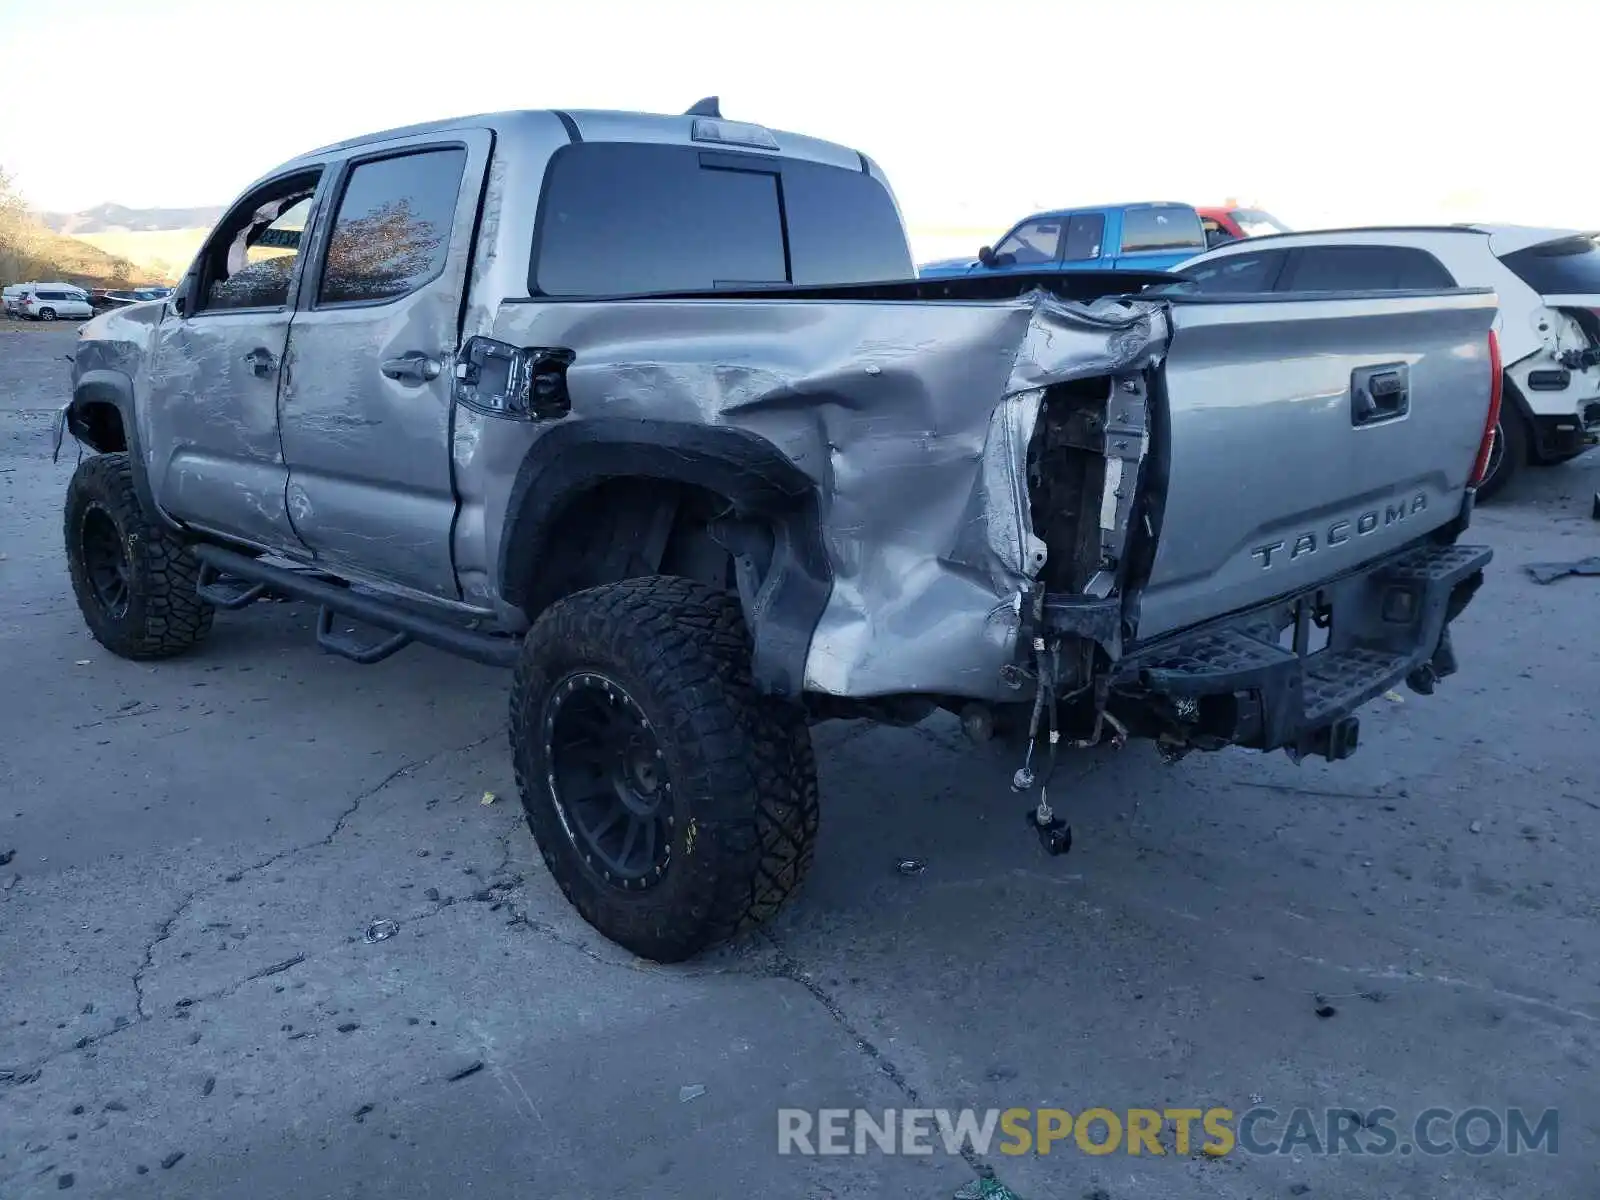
(190, 1004)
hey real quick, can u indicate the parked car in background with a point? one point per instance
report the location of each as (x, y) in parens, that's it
(1127, 237)
(53, 302)
(104, 299)
(1229, 223)
(11, 298)
(1548, 281)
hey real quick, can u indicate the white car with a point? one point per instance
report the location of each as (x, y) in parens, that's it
(54, 301)
(1548, 281)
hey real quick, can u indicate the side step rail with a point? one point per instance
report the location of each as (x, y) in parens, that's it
(495, 650)
(347, 647)
(230, 594)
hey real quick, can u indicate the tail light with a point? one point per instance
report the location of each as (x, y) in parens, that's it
(1496, 387)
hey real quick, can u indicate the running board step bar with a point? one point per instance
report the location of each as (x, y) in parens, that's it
(403, 624)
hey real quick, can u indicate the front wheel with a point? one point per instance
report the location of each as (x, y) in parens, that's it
(674, 805)
(47, 314)
(133, 579)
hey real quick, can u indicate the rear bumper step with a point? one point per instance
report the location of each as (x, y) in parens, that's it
(1389, 623)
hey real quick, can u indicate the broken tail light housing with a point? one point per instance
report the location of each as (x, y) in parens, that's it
(524, 383)
(1496, 387)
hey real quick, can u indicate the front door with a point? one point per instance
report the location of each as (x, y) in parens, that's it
(366, 402)
(212, 402)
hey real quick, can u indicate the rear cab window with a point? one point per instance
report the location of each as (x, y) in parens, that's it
(626, 218)
(1161, 227)
(1355, 268)
(1566, 267)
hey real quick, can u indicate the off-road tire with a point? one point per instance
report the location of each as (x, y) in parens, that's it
(741, 766)
(163, 616)
(1511, 457)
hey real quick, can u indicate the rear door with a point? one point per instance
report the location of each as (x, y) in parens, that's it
(366, 407)
(1307, 436)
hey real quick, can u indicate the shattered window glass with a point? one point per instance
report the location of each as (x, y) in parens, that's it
(254, 267)
(392, 231)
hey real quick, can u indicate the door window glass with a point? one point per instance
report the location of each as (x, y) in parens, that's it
(391, 234)
(1030, 244)
(1084, 234)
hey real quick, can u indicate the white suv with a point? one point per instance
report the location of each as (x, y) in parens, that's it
(53, 301)
(1548, 281)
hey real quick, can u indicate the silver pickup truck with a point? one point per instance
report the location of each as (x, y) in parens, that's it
(653, 410)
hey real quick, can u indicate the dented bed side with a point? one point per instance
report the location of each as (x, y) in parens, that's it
(913, 421)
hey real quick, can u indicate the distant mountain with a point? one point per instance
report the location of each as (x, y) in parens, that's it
(119, 218)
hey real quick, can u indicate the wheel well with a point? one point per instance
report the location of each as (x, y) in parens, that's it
(623, 528)
(98, 423)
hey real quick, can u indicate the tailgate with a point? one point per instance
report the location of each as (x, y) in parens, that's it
(1306, 436)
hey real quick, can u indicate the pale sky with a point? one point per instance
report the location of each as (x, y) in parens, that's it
(980, 112)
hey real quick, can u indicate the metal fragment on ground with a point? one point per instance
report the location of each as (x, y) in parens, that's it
(380, 931)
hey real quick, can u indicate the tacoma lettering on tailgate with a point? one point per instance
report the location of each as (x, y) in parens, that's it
(1339, 532)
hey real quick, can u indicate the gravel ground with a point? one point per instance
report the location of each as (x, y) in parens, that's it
(189, 1007)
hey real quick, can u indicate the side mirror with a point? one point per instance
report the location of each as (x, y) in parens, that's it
(986, 255)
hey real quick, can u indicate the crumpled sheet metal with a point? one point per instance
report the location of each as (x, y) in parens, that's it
(913, 418)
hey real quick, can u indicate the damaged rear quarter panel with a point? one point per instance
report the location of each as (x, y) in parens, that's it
(912, 418)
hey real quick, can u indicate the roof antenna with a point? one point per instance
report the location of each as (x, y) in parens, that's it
(709, 107)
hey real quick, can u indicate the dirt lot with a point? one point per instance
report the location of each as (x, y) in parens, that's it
(189, 1007)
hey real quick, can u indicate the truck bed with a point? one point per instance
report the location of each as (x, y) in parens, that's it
(980, 446)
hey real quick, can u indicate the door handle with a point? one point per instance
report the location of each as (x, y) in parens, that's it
(1379, 394)
(261, 361)
(415, 367)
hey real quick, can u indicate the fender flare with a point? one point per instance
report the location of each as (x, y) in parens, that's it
(104, 386)
(572, 457)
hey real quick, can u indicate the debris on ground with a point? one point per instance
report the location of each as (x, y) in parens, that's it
(911, 866)
(1324, 1010)
(1550, 572)
(1475, 827)
(209, 1086)
(10, 883)
(488, 798)
(1394, 697)
(691, 1091)
(172, 1160)
(361, 1113)
(350, 1027)
(469, 1069)
(6, 856)
(986, 1189)
(380, 931)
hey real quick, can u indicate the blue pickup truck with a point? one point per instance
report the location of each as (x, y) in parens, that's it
(1136, 237)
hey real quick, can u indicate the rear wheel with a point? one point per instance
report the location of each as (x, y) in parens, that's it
(674, 805)
(133, 579)
(1508, 455)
